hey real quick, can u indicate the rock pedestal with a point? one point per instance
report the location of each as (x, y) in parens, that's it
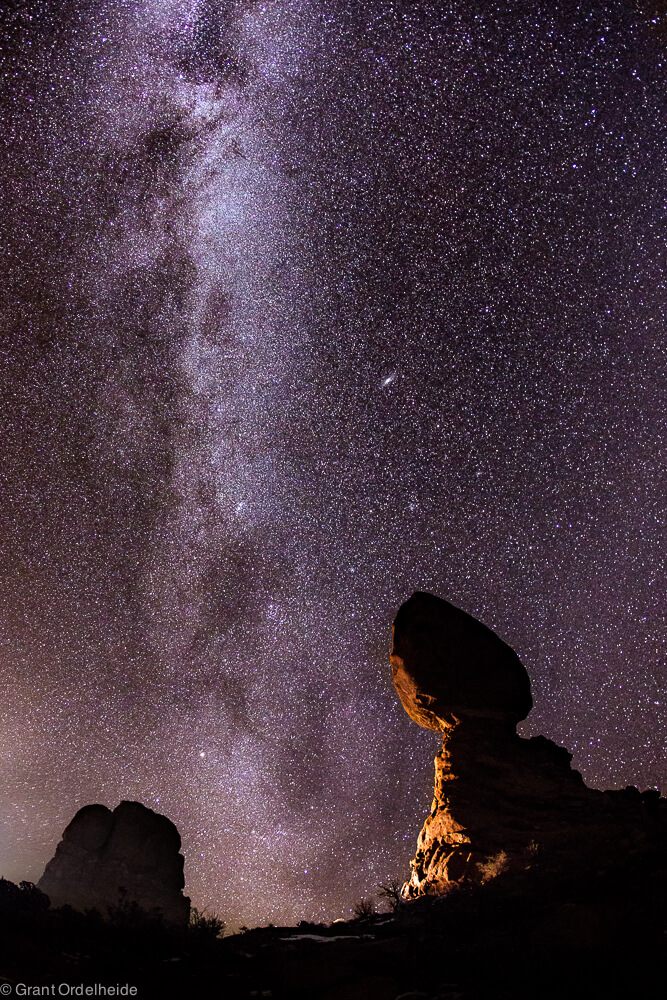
(116, 859)
(499, 799)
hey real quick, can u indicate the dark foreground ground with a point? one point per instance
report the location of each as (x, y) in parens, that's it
(537, 935)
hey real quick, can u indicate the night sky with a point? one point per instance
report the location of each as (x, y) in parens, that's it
(306, 306)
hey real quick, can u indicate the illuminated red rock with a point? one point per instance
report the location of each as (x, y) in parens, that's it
(499, 800)
(127, 856)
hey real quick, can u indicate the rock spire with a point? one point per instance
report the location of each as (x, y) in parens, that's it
(107, 860)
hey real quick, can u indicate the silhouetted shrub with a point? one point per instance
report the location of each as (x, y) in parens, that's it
(206, 925)
(128, 913)
(364, 909)
(9, 896)
(32, 898)
(392, 893)
(24, 897)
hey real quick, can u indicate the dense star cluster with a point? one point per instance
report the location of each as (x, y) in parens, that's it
(306, 306)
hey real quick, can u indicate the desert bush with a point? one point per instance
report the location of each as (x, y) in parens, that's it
(364, 909)
(493, 866)
(24, 897)
(205, 924)
(32, 898)
(392, 893)
(129, 914)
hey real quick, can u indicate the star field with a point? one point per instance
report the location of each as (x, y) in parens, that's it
(305, 307)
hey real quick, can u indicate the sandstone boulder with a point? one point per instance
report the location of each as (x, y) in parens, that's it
(109, 859)
(447, 665)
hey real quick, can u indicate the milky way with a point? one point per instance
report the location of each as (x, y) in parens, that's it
(307, 306)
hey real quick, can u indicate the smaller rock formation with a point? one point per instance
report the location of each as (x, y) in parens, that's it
(499, 798)
(109, 859)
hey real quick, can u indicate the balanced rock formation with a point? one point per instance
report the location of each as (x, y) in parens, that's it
(499, 799)
(109, 859)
